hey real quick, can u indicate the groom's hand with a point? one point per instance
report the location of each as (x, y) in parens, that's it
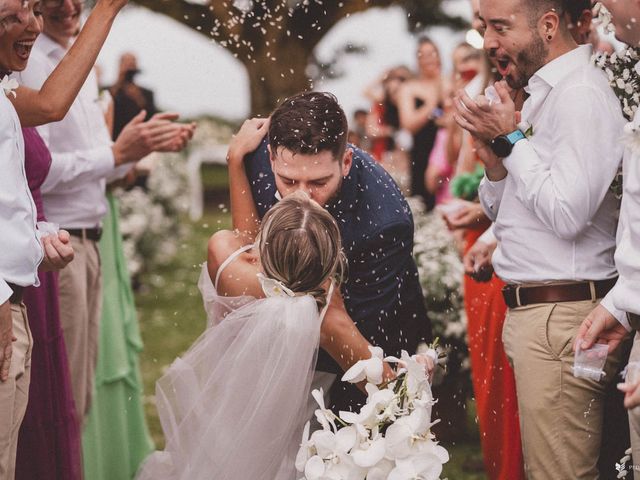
(247, 140)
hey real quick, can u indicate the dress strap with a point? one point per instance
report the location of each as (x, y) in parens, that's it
(326, 307)
(230, 259)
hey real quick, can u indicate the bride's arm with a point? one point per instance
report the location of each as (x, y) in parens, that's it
(243, 209)
(342, 340)
(52, 102)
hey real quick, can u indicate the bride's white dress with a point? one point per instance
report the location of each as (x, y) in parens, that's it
(234, 405)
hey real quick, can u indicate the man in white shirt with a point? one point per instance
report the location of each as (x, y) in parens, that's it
(84, 159)
(602, 325)
(550, 198)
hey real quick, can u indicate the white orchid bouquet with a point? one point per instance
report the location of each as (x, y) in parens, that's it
(390, 438)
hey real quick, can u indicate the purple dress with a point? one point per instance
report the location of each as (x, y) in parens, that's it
(49, 441)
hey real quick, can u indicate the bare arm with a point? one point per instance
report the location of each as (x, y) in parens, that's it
(243, 209)
(413, 118)
(52, 102)
(342, 340)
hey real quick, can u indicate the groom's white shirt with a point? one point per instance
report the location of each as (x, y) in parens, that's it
(554, 213)
(626, 294)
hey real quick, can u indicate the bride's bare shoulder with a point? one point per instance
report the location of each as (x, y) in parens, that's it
(221, 245)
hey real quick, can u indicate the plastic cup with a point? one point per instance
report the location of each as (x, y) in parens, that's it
(589, 363)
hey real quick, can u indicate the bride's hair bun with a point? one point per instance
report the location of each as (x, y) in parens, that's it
(300, 246)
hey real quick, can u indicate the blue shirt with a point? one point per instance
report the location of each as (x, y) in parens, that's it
(382, 293)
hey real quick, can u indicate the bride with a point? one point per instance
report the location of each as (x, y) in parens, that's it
(233, 407)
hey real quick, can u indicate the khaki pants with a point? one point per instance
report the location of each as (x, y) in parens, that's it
(560, 415)
(634, 416)
(14, 393)
(80, 310)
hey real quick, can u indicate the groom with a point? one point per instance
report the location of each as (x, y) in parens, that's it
(306, 149)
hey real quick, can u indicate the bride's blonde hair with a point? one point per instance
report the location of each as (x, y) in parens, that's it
(300, 246)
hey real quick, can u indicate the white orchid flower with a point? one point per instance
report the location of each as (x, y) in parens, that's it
(370, 452)
(370, 369)
(333, 461)
(325, 417)
(381, 471)
(9, 85)
(307, 449)
(368, 415)
(419, 467)
(405, 432)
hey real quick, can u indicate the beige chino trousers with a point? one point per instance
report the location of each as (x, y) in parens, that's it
(14, 393)
(634, 414)
(560, 415)
(80, 311)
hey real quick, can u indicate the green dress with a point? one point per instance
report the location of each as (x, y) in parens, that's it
(116, 438)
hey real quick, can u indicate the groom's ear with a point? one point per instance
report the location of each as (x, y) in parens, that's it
(347, 161)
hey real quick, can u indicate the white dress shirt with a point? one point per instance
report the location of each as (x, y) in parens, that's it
(20, 249)
(625, 295)
(82, 158)
(554, 212)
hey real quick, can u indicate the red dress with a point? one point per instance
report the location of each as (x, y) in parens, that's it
(492, 376)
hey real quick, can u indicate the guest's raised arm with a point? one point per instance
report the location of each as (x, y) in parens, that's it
(52, 102)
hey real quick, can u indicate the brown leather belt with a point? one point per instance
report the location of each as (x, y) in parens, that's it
(89, 233)
(634, 320)
(18, 293)
(518, 296)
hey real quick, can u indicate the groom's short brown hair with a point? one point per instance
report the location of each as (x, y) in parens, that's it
(309, 123)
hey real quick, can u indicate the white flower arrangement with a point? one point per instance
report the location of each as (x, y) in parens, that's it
(9, 86)
(389, 439)
(150, 220)
(441, 272)
(622, 68)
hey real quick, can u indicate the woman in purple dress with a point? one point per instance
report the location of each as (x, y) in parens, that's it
(49, 441)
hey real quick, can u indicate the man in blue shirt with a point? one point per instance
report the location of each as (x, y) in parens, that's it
(303, 146)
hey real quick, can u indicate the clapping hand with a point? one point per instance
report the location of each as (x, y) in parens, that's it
(160, 134)
(483, 119)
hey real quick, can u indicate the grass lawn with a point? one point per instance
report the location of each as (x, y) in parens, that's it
(172, 317)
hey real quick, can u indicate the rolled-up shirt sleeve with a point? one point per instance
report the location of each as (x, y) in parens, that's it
(490, 194)
(5, 291)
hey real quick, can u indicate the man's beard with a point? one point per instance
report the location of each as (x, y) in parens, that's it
(528, 62)
(331, 202)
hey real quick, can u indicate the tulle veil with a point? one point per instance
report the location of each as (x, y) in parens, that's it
(233, 407)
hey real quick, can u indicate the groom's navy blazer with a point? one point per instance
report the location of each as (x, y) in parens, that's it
(382, 293)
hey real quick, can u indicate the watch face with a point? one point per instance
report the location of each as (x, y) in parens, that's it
(501, 146)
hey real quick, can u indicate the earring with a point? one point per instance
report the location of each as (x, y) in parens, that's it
(549, 37)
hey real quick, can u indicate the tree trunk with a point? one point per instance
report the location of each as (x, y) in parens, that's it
(276, 75)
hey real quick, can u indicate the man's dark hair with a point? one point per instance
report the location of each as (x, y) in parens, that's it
(537, 8)
(575, 8)
(360, 112)
(309, 123)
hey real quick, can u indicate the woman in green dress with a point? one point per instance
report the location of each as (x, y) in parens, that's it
(116, 438)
